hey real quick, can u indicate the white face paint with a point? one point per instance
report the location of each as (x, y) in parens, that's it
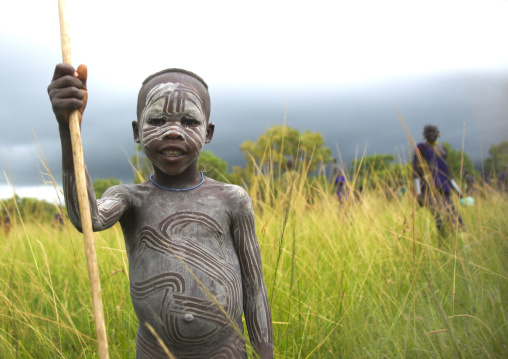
(173, 111)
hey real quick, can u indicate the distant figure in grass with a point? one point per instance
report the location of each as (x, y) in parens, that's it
(6, 222)
(433, 183)
(334, 170)
(470, 183)
(341, 189)
(58, 220)
(344, 192)
(502, 181)
(401, 188)
(194, 259)
(394, 189)
(485, 184)
(485, 179)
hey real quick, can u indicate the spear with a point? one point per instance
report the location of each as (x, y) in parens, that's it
(84, 206)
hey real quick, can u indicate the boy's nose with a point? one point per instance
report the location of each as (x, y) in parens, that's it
(173, 134)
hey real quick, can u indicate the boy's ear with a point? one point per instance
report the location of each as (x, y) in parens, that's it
(135, 131)
(209, 132)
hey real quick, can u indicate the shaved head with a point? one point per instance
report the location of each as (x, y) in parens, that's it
(431, 133)
(181, 77)
(430, 127)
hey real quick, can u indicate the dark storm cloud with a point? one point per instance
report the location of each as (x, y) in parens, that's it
(30, 132)
(364, 117)
(350, 117)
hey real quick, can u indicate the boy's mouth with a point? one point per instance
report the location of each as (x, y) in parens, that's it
(172, 153)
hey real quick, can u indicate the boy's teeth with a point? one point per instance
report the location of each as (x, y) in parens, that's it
(172, 153)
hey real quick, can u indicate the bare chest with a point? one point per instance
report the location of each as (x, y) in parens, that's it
(184, 271)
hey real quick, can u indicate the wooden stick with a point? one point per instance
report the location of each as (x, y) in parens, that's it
(84, 206)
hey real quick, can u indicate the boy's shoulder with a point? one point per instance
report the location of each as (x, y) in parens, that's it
(127, 188)
(225, 188)
(232, 194)
(128, 192)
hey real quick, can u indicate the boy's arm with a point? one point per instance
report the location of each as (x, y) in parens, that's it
(255, 298)
(417, 170)
(420, 165)
(456, 187)
(105, 212)
(67, 93)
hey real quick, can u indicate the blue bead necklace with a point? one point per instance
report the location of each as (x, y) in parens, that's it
(178, 189)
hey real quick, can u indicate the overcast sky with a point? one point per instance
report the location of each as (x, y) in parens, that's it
(341, 68)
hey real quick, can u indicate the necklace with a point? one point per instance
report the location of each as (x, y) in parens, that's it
(178, 189)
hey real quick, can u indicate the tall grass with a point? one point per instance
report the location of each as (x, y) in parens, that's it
(368, 278)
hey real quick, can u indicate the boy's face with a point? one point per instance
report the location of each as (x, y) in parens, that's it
(173, 128)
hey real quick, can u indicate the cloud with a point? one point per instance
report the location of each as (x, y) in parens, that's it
(352, 119)
(342, 69)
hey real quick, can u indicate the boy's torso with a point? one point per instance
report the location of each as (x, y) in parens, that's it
(183, 267)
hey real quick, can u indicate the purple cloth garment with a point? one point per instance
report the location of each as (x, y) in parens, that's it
(434, 158)
(341, 187)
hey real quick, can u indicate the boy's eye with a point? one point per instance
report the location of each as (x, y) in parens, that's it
(156, 121)
(189, 121)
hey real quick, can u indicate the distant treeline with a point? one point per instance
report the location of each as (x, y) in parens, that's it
(281, 150)
(36, 210)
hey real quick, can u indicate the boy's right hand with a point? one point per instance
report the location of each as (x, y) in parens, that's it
(68, 92)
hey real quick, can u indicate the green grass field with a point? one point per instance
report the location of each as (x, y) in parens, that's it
(370, 280)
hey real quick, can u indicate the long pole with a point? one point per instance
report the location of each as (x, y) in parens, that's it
(84, 206)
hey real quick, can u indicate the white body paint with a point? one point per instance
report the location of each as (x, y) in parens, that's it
(171, 102)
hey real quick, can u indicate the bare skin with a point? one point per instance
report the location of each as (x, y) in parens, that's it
(194, 259)
(431, 133)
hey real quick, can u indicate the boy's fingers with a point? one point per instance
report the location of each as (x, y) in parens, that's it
(70, 92)
(65, 81)
(64, 107)
(62, 70)
(68, 105)
(82, 74)
(56, 94)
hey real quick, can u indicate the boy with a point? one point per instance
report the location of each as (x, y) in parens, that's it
(194, 259)
(436, 195)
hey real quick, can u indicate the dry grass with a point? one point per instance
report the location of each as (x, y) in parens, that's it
(371, 278)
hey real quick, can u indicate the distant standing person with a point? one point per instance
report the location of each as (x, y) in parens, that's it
(335, 170)
(485, 178)
(502, 181)
(342, 190)
(470, 183)
(433, 182)
(6, 222)
(58, 220)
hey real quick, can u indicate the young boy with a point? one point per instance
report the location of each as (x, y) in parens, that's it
(194, 259)
(430, 158)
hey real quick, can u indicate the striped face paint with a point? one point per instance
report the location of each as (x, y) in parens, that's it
(173, 111)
